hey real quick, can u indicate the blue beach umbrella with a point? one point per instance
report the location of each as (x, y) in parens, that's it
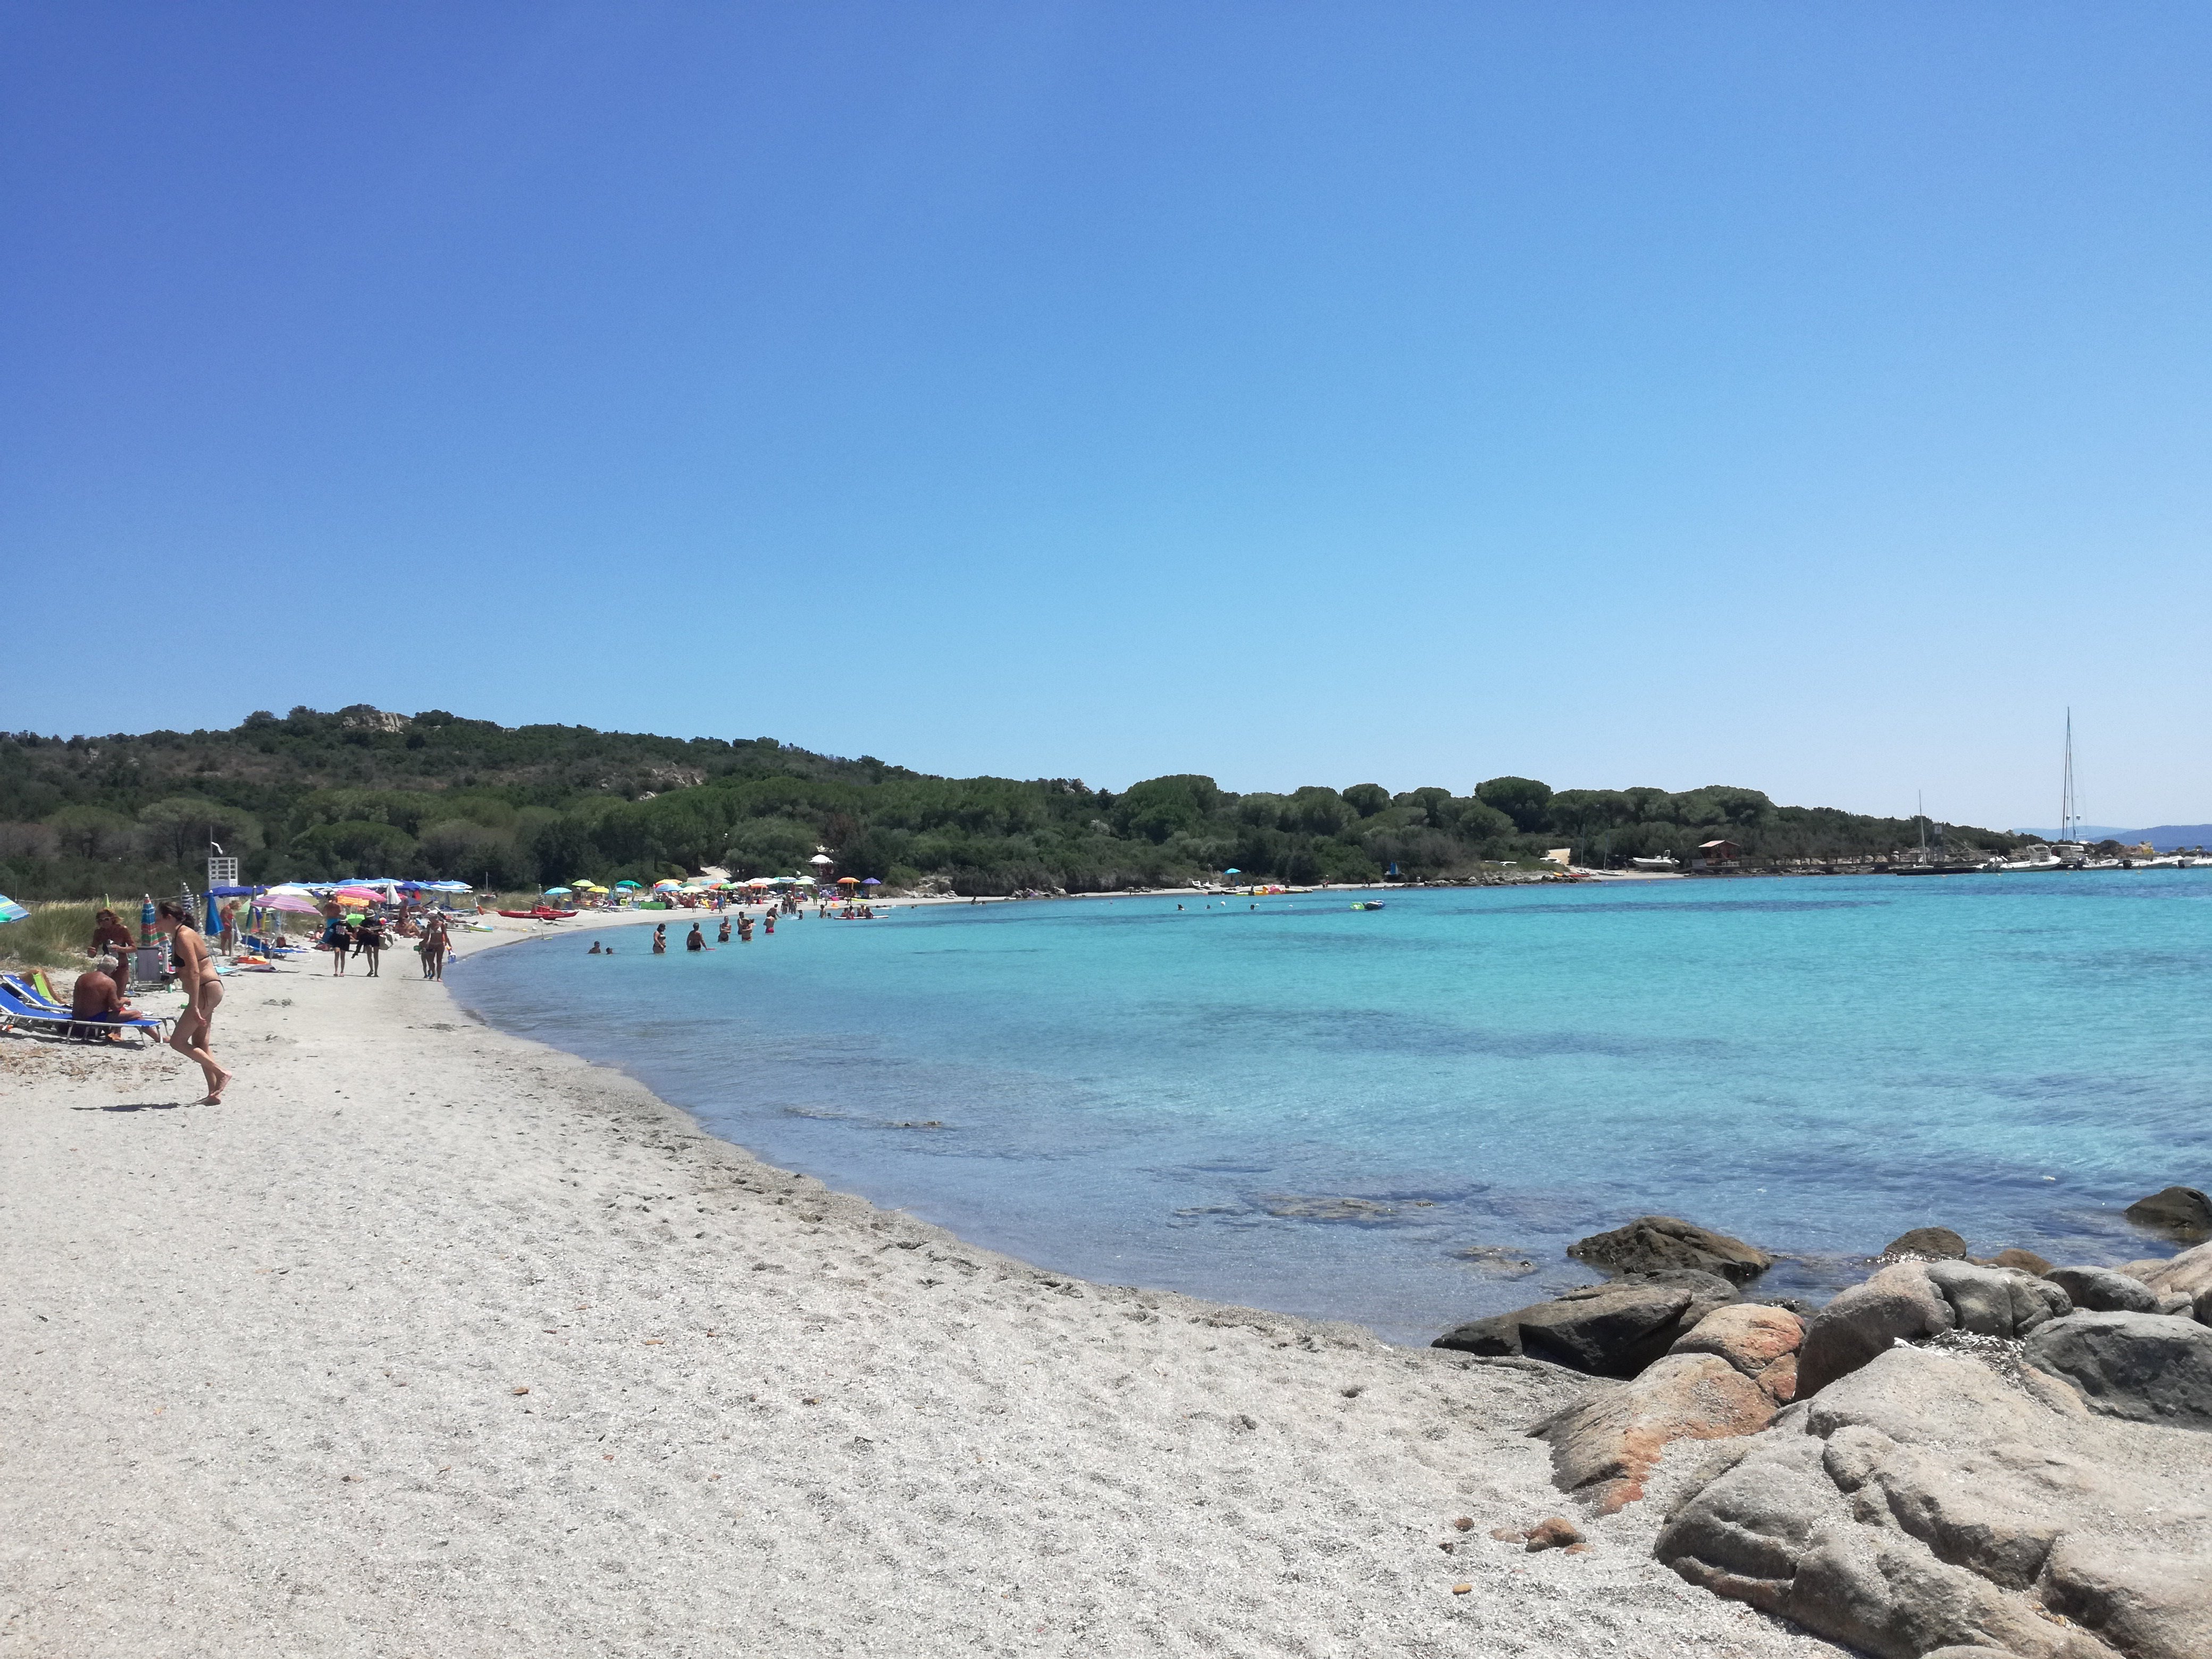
(11, 911)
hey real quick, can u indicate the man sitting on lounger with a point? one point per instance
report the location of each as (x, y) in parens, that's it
(96, 997)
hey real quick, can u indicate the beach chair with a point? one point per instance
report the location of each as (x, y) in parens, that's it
(15, 1010)
(33, 995)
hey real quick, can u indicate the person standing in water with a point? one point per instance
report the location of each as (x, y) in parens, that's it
(660, 938)
(723, 936)
(196, 977)
(695, 940)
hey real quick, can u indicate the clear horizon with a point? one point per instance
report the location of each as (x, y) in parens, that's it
(1620, 396)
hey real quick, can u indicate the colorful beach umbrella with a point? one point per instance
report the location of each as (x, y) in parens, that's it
(11, 911)
(872, 882)
(626, 883)
(295, 903)
(666, 886)
(556, 892)
(356, 895)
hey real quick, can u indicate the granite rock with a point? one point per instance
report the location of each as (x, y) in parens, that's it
(2181, 1211)
(2152, 1368)
(1606, 1442)
(2190, 1272)
(1651, 1244)
(1762, 1342)
(1613, 1329)
(1925, 1502)
(1936, 1244)
(1900, 1303)
(1997, 1301)
(2100, 1290)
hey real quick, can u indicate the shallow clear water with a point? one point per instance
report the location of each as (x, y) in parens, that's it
(1188, 1098)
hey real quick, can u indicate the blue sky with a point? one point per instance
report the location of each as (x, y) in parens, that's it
(1810, 398)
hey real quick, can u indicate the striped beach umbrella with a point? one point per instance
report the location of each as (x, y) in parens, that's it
(11, 911)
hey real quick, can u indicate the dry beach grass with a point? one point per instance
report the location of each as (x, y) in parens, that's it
(434, 1341)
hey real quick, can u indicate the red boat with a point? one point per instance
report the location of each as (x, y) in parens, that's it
(542, 913)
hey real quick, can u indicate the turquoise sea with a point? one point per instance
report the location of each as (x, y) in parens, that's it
(1286, 1102)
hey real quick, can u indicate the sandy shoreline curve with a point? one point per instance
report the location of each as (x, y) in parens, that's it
(433, 1340)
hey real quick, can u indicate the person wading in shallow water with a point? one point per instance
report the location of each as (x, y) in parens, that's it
(695, 940)
(660, 938)
(196, 977)
(723, 938)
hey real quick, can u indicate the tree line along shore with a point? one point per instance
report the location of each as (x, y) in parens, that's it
(312, 795)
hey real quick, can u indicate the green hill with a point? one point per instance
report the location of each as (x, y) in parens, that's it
(362, 792)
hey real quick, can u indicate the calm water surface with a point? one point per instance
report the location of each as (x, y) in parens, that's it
(1321, 1110)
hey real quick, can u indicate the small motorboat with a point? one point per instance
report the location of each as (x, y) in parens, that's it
(1367, 905)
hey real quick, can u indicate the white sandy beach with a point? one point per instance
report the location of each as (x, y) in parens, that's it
(431, 1341)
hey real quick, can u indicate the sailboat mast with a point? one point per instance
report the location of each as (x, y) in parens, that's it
(2067, 811)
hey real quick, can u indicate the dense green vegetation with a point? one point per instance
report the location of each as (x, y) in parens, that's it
(359, 791)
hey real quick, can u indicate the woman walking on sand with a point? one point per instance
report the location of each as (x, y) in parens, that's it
(196, 977)
(436, 944)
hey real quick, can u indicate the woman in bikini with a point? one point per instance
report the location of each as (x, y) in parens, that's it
(196, 977)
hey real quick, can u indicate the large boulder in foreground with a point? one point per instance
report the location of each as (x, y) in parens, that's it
(1607, 1330)
(2182, 1211)
(1924, 1502)
(2153, 1368)
(1604, 1443)
(1652, 1243)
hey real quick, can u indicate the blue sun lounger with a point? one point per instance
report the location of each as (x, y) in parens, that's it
(30, 994)
(16, 1010)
